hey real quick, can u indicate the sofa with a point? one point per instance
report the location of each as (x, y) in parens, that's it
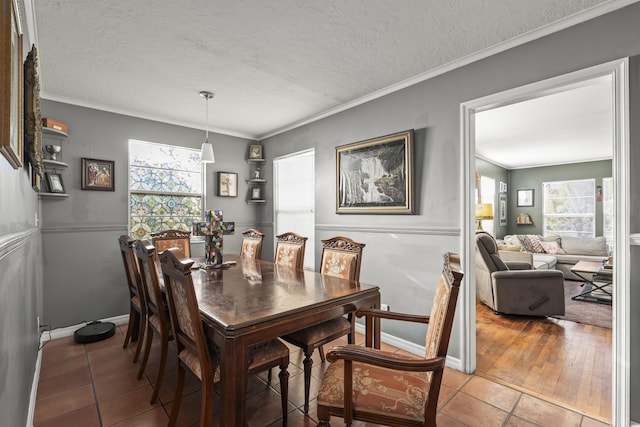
(553, 252)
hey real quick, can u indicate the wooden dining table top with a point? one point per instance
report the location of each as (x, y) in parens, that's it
(251, 292)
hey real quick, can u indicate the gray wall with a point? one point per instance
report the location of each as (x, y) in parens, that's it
(499, 174)
(20, 288)
(534, 177)
(83, 273)
(402, 253)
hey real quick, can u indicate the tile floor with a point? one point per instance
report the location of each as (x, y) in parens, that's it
(95, 385)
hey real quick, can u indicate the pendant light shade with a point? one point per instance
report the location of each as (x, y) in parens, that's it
(206, 152)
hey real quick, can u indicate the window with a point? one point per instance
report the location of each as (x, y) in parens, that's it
(165, 188)
(294, 201)
(569, 208)
(607, 211)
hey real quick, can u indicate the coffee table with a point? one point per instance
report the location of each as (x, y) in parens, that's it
(603, 278)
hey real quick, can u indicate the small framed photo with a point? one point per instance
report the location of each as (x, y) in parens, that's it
(97, 174)
(227, 184)
(525, 198)
(55, 182)
(256, 193)
(503, 187)
(255, 152)
(502, 208)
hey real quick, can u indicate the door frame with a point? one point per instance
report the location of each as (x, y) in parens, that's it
(619, 70)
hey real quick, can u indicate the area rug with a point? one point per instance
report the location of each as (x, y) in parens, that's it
(586, 312)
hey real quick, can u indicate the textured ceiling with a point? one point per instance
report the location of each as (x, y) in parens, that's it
(271, 64)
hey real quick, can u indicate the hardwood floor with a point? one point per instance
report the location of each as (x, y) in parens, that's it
(565, 362)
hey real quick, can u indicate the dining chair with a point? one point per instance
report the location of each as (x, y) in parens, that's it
(172, 239)
(194, 351)
(137, 306)
(381, 387)
(157, 316)
(252, 244)
(290, 250)
(341, 257)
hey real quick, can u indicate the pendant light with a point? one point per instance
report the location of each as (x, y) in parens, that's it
(206, 153)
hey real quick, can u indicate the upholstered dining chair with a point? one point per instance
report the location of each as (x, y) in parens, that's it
(157, 316)
(290, 250)
(252, 244)
(194, 352)
(172, 239)
(341, 257)
(376, 386)
(137, 306)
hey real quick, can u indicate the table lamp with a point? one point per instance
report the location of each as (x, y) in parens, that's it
(483, 211)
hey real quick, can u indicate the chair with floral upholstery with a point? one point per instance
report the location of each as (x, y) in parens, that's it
(193, 349)
(252, 244)
(172, 239)
(137, 307)
(157, 315)
(290, 251)
(387, 388)
(341, 257)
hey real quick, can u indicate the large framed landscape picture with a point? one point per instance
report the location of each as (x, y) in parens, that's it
(376, 176)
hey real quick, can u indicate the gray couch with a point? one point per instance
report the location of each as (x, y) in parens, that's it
(573, 249)
(510, 288)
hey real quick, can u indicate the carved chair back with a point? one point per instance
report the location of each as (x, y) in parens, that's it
(290, 251)
(252, 244)
(172, 239)
(341, 257)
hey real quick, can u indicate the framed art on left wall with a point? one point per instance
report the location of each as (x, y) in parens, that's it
(11, 79)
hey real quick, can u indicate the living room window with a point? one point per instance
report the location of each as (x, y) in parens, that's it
(569, 208)
(607, 211)
(165, 188)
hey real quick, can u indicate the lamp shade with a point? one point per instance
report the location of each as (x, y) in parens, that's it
(206, 153)
(484, 211)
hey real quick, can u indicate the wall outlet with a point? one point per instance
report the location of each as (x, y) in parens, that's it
(384, 307)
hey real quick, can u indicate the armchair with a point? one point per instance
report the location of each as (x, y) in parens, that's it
(385, 388)
(509, 289)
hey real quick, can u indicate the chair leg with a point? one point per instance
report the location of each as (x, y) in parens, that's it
(141, 335)
(206, 405)
(177, 397)
(323, 416)
(284, 391)
(321, 350)
(161, 366)
(145, 356)
(308, 363)
(132, 318)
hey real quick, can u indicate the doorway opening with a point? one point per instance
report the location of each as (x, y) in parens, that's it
(617, 70)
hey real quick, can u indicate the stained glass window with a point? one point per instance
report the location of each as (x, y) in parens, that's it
(165, 188)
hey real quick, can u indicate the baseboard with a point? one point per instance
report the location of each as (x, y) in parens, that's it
(51, 335)
(69, 330)
(413, 348)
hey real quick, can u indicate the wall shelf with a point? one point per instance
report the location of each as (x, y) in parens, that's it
(53, 195)
(53, 164)
(54, 132)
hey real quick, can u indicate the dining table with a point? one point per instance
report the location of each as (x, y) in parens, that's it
(252, 301)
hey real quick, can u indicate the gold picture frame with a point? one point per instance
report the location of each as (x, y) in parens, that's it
(32, 118)
(11, 105)
(255, 152)
(376, 176)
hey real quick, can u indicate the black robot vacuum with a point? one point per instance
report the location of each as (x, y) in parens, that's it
(94, 331)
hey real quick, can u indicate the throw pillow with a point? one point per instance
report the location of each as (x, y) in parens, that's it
(553, 248)
(531, 243)
(510, 248)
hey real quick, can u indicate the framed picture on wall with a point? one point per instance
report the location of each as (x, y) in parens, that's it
(502, 209)
(376, 176)
(525, 198)
(227, 184)
(97, 174)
